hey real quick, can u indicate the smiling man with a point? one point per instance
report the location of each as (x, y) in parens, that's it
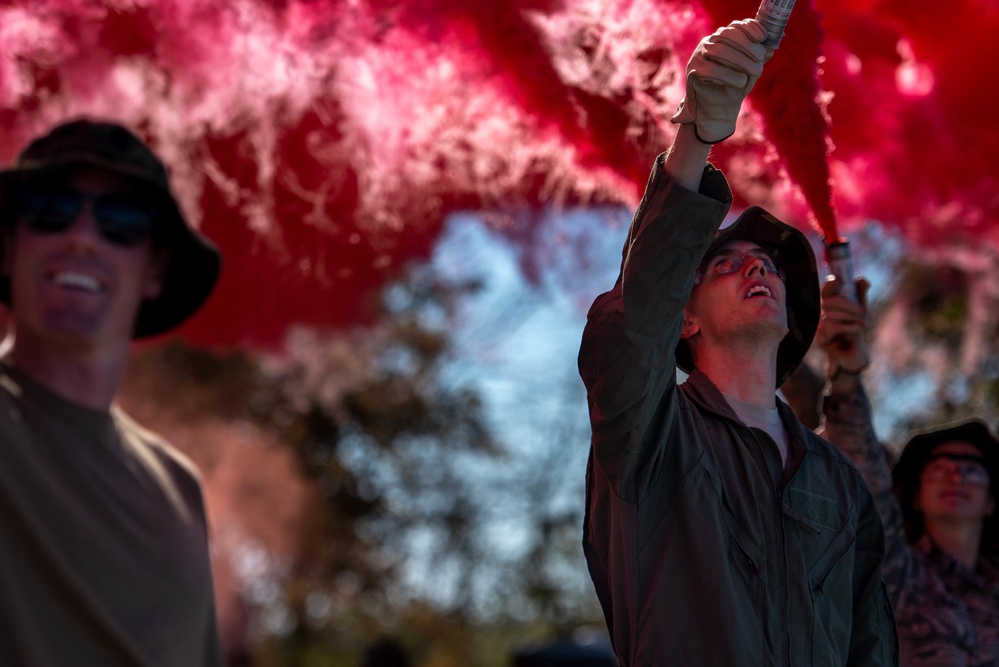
(103, 539)
(719, 531)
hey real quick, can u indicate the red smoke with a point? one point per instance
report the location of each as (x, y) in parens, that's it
(322, 143)
(914, 127)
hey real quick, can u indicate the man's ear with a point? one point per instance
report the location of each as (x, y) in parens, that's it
(156, 272)
(690, 327)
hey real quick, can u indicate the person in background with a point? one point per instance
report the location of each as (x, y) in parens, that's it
(718, 530)
(938, 506)
(103, 538)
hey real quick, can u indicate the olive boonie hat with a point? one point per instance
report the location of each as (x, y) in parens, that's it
(916, 454)
(194, 261)
(792, 252)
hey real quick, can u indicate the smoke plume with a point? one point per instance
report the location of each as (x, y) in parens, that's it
(322, 143)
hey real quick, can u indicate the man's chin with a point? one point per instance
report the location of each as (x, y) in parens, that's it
(767, 330)
(77, 329)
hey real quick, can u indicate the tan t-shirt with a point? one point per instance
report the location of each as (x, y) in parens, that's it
(103, 543)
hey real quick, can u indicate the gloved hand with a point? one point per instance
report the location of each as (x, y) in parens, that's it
(720, 74)
(842, 329)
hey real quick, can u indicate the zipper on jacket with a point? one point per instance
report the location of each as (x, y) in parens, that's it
(752, 565)
(749, 560)
(783, 553)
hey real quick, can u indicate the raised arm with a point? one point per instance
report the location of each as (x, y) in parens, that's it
(848, 423)
(627, 355)
(722, 70)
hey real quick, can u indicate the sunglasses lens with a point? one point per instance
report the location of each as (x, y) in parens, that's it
(49, 213)
(124, 220)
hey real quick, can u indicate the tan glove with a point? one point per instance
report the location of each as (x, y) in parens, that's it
(720, 74)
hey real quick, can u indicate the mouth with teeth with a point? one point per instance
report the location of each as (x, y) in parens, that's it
(76, 281)
(758, 290)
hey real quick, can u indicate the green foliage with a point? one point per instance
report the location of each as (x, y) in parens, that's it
(390, 450)
(939, 300)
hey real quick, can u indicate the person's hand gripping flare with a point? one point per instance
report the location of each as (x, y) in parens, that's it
(842, 332)
(720, 74)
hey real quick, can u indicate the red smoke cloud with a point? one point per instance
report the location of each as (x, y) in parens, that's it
(322, 143)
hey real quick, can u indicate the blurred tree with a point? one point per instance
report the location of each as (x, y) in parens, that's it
(350, 489)
(937, 329)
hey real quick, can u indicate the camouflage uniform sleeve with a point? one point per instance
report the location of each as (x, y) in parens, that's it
(848, 425)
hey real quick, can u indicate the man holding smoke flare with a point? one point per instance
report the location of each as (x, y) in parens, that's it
(719, 531)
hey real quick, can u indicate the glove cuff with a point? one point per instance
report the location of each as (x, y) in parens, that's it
(687, 115)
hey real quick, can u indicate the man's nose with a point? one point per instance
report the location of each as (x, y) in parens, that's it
(751, 263)
(84, 226)
(956, 472)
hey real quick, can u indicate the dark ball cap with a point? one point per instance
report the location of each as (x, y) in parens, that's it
(915, 456)
(194, 261)
(792, 252)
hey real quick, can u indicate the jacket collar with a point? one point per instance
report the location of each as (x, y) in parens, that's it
(701, 390)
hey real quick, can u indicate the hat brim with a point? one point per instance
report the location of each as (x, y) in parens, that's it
(792, 252)
(916, 454)
(194, 262)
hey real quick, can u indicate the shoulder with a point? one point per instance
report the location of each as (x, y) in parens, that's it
(154, 448)
(13, 397)
(10, 389)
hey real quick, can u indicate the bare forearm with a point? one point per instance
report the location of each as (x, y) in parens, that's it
(686, 158)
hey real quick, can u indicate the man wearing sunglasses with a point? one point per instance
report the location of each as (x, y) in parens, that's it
(719, 531)
(938, 506)
(103, 538)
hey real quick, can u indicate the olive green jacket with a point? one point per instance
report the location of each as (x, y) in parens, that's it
(703, 549)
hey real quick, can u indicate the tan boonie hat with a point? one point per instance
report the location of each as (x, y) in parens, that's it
(194, 261)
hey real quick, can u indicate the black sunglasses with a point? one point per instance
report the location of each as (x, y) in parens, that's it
(122, 219)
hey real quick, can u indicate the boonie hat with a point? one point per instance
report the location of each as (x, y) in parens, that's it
(792, 252)
(194, 262)
(917, 453)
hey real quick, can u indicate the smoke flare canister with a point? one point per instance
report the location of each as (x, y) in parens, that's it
(840, 264)
(773, 14)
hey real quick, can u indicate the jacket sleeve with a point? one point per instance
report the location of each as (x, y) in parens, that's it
(849, 426)
(627, 356)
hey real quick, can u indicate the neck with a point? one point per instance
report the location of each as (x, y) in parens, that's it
(86, 377)
(743, 372)
(961, 540)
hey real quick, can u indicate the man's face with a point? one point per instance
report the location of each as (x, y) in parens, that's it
(80, 261)
(954, 485)
(737, 293)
